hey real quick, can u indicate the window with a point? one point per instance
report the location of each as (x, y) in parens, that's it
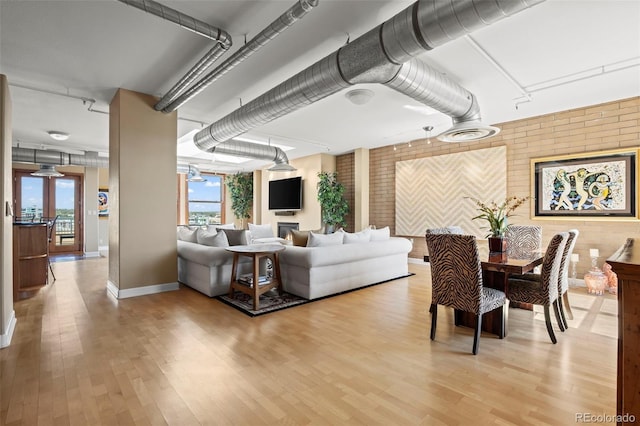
(204, 200)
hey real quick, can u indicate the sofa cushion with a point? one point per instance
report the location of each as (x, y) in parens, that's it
(261, 231)
(186, 233)
(380, 234)
(218, 239)
(236, 237)
(323, 240)
(363, 236)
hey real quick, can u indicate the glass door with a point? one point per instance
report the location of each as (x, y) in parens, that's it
(65, 203)
(42, 197)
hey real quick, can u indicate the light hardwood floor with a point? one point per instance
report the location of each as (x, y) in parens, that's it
(80, 357)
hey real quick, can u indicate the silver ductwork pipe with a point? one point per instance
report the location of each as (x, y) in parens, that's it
(376, 57)
(286, 20)
(256, 151)
(316, 82)
(222, 38)
(38, 156)
(89, 159)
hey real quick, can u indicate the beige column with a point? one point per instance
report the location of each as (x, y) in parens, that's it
(142, 196)
(361, 175)
(7, 315)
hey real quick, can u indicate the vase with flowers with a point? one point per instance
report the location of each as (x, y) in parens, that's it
(497, 216)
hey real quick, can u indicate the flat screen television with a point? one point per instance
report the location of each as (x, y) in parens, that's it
(285, 194)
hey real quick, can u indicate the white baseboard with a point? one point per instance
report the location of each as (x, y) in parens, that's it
(91, 254)
(418, 261)
(113, 290)
(5, 339)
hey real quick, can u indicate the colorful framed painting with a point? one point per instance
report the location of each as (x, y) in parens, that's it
(591, 185)
(103, 203)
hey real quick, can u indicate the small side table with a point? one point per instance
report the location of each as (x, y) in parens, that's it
(255, 252)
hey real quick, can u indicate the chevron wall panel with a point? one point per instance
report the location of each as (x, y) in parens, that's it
(430, 192)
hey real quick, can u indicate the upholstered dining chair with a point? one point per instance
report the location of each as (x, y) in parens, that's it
(563, 278)
(446, 230)
(523, 239)
(542, 289)
(456, 279)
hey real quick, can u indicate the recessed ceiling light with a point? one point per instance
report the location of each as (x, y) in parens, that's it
(59, 136)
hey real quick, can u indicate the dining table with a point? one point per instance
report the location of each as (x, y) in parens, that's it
(496, 269)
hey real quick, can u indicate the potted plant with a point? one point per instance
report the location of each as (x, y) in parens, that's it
(497, 216)
(241, 192)
(332, 202)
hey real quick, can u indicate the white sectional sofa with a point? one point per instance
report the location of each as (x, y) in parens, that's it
(313, 272)
(327, 267)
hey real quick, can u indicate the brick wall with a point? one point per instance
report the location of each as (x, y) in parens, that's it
(345, 167)
(606, 126)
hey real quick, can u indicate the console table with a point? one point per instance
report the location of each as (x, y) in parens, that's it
(255, 288)
(626, 263)
(30, 257)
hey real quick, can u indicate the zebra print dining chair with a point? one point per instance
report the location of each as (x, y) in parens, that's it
(523, 239)
(542, 289)
(563, 279)
(456, 280)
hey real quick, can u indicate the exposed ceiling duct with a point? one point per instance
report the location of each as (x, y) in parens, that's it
(58, 158)
(221, 37)
(256, 151)
(287, 19)
(88, 159)
(379, 57)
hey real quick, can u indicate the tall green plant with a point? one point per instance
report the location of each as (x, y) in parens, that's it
(240, 187)
(331, 197)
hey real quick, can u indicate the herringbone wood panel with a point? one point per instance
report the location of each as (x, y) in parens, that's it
(180, 358)
(430, 192)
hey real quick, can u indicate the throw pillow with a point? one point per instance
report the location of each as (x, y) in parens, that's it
(356, 237)
(187, 234)
(236, 237)
(299, 238)
(380, 234)
(323, 240)
(219, 239)
(261, 231)
(214, 228)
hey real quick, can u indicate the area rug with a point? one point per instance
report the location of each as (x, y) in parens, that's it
(271, 301)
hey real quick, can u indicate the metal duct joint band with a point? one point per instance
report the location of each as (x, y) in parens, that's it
(364, 60)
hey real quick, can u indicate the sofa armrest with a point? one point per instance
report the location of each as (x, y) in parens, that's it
(204, 255)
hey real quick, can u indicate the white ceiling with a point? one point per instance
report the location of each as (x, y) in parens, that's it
(563, 53)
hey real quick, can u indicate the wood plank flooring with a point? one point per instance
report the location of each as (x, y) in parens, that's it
(80, 357)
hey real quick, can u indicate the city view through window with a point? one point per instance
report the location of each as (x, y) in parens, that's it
(32, 199)
(205, 201)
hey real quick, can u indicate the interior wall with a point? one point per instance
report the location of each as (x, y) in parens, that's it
(605, 126)
(7, 315)
(90, 204)
(310, 217)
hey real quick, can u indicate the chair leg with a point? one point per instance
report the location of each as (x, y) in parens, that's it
(431, 308)
(566, 305)
(556, 311)
(434, 319)
(51, 269)
(562, 316)
(476, 335)
(547, 320)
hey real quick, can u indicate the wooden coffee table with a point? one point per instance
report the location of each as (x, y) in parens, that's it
(254, 287)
